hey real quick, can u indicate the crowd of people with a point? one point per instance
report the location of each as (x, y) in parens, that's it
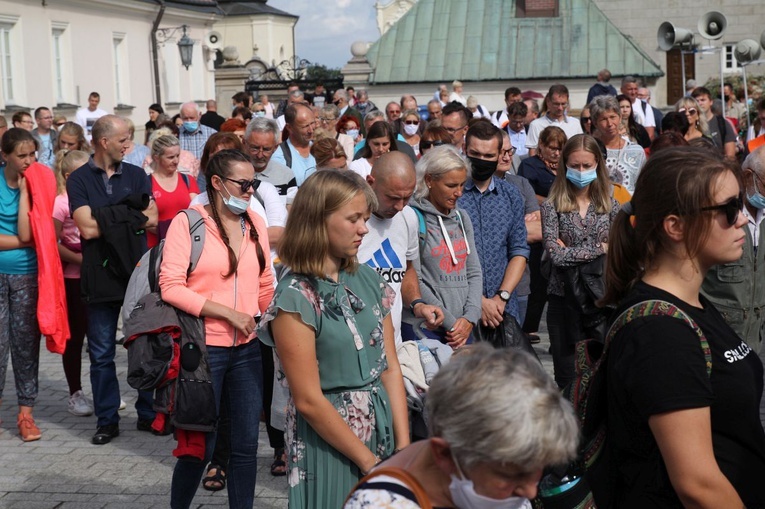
(355, 261)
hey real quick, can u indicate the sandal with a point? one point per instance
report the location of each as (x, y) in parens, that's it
(216, 481)
(279, 466)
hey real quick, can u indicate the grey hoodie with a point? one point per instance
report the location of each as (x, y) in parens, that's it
(456, 288)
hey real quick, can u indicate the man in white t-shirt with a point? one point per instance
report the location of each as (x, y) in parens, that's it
(643, 116)
(86, 117)
(557, 104)
(392, 242)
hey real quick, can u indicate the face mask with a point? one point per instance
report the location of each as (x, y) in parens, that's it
(260, 113)
(236, 205)
(361, 104)
(411, 130)
(464, 496)
(482, 170)
(756, 200)
(353, 133)
(581, 179)
(190, 126)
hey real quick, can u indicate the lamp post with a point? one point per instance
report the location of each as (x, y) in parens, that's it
(161, 35)
(186, 47)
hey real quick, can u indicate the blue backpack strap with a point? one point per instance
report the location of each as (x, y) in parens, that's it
(422, 230)
(660, 308)
(186, 180)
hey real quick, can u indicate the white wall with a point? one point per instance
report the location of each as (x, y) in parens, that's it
(273, 36)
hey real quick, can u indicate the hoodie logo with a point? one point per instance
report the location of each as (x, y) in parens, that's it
(460, 251)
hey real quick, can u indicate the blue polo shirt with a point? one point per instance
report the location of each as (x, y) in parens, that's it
(499, 229)
(538, 174)
(89, 185)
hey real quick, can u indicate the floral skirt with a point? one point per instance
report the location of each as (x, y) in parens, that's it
(321, 477)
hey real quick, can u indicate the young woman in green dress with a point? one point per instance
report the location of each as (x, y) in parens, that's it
(330, 323)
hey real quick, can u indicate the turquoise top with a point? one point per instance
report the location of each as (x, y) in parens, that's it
(13, 261)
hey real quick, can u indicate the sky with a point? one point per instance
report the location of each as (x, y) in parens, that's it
(326, 29)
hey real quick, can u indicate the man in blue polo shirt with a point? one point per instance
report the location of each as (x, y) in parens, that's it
(106, 181)
(496, 209)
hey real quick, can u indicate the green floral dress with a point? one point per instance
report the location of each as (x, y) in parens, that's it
(347, 317)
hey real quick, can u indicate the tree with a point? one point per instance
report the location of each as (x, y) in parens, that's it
(318, 72)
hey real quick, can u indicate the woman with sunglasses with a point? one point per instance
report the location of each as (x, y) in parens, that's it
(576, 218)
(410, 129)
(231, 285)
(380, 140)
(434, 135)
(683, 410)
(698, 126)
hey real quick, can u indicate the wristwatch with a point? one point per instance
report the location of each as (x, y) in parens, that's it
(504, 295)
(415, 302)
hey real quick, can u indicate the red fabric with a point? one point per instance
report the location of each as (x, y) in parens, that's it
(756, 143)
(190, 444)
(170, 203)
(51, 300)
(159, 422)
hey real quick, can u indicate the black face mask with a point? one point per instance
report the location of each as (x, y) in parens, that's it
(482, 170)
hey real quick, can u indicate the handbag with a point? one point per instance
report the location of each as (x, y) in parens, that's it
(507, 334)
(584, 285)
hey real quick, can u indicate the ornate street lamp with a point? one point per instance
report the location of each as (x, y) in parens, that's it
(186, 47)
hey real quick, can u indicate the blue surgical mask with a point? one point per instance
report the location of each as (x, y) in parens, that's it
(236, 205)
(260, 113)
(756, 200)
(464, 495)
(353, 133)
(191, 126)
(581, 179)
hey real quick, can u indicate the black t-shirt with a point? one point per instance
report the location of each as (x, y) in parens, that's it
(656, 365)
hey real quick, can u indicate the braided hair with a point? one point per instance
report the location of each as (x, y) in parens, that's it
(220, 165)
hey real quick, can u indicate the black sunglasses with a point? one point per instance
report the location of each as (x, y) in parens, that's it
(731, 208)
(435, 143)
(246, 185)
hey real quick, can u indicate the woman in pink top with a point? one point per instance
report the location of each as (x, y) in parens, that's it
(172, 190)
(231, 285)
(70, 250)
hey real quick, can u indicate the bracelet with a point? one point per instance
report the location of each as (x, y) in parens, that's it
(415, 302)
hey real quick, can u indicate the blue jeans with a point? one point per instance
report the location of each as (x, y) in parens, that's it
(523, 305)
(237, 378)
(102, 337)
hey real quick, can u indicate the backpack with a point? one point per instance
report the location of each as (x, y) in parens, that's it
(287, 153)
(422, 230)
(586, 482)
(145, 277)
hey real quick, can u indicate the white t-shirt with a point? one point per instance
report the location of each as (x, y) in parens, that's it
(386, 248)
(570, 125)
(87, 118)
(646, 119)
(361, 166)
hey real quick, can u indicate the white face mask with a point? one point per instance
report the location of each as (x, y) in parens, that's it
(353, 133)
(410, 129)
(464, 495)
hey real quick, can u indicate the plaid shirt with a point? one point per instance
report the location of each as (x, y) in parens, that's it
(195, 142)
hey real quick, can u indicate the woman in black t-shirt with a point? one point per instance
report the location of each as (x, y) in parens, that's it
(679, 436)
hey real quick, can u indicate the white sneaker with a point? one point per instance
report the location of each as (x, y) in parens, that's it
(123, 405)
(79, 404)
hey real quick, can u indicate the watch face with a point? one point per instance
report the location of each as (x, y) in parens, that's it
(504, 295)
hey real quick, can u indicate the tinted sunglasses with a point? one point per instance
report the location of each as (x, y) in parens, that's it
(731, 208)
(412, 122)
(435, 143)
(246, 185)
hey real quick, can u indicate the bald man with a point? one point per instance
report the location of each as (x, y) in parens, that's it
(392, 242)
(193, 135)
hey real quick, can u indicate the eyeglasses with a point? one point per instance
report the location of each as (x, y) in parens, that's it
(689, 111)
(253, 149)
(586, 119)
(326, 119)
(554, 149)
(453, 130)
(434, 143)
(508, 152)
(412, 122)
(246, 185)
(731, 208)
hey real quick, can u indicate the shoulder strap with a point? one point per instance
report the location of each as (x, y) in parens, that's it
(185, 180)
(421, 497)
(287, 153)
(197, 234)
(497, 115)
(422, 230)
(659, 308)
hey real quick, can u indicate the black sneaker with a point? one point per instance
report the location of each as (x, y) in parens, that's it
(104, 434)
(144, 424)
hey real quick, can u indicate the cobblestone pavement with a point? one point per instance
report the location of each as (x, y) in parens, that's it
(64, 470)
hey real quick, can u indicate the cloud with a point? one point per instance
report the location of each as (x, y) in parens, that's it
(343, 3)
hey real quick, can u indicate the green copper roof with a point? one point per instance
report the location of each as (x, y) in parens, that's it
(482, 40)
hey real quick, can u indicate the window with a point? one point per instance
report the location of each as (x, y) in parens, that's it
(121, 85)
(536, 8)
(731, 64)
(62, 86)
(6, 63)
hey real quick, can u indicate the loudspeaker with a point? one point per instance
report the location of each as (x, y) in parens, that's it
(214, 40)
(712, 25)
(747, 51)
(670, 36)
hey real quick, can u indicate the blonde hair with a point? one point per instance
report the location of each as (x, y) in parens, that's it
(563, 193)
(305, 244)
(66, 162)
(437, 162)
(689, 102)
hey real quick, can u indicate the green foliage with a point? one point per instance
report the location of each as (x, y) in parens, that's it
(318, 72)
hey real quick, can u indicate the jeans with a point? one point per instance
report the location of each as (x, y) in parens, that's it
(523, 305)
(538, 295)
(562, 341)
(238, 370)
(102, 337)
